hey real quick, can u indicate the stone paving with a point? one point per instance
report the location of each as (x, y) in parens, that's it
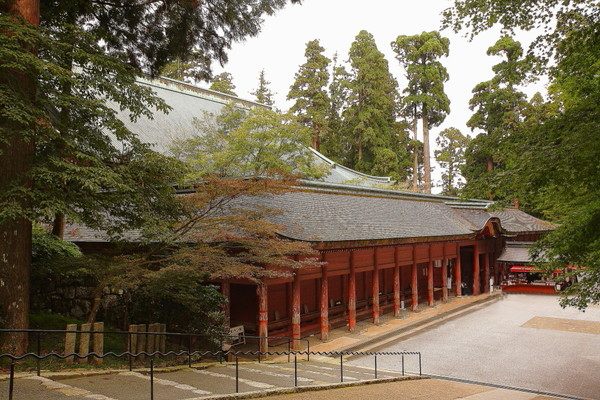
(414, 390)
(186, 383)
(501, 344)
(340, 338)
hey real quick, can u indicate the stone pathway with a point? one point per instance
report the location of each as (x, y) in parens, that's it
(187, 383)
(341, 339)
(414, 390)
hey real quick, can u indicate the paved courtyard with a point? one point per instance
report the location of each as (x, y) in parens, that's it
(522, 340)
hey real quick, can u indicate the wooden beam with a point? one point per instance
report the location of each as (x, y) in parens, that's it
(457, 273)
(296, 311)
(414, 281)
(352, 295)
(445, 277)
(226, 292)
(396, 284)
(324, 303)
(430, 299)
(263, 316)
(375, 287)
(486, 272)
(476, 278)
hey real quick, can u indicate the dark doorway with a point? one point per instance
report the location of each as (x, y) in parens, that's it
(466, 269)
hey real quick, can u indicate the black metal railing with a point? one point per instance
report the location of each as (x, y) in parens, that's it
(191, 341)
(236, 354)
(188, 352)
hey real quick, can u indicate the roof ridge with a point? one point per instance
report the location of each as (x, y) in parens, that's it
(196, 91)
(390, 192)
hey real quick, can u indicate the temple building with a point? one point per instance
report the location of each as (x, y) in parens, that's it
(382, 250)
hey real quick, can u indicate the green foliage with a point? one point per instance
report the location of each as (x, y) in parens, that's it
(86, 163)
(47, 246)
(419, 56)
(335, 144)
(558, 150)
(150, 34)
(187, 71)
(424, 95)
(223, 83)
(309, 90)
(451, 157)
(263, 94)
(260, 143)
(499, 112)
(377, 142)
(185, 303)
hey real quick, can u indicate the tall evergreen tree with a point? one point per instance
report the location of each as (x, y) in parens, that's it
(57, 139)
(558, 149)
(425, 96)
(309, 91)
(335, 143)
(223, 83)
(498, 107)
(378, 142)
(263, 94)
(451, 157)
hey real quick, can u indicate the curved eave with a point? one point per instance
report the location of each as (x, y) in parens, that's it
(346, 244)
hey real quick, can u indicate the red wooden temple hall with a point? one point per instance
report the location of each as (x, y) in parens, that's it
(381, 250)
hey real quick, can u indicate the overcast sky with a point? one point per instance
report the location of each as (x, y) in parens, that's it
(279, 48)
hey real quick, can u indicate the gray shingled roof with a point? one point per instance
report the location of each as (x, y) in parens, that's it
(518, 253)
(516, 221)
(330, 217)
(189, 102)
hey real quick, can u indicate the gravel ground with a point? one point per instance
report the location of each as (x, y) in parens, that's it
(492, 345)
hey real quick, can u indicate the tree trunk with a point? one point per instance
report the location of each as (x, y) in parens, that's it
(426, 157)
(316, 138)
(415, 180)
(58, 226)
(16, 157)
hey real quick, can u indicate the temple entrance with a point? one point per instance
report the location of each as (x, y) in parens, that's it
(466, 269)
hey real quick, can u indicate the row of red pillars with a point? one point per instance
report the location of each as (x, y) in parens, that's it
(324, 302)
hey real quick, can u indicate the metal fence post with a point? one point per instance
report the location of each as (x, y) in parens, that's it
(129, 351)
(289, 348)
(237, 374)
(39, 351)
(152, 378)
(307, 350)
(420, 364)
(11, 382)
(341, 367)
(190, 351)
(402, 364)
(375, 366)
(295, 370)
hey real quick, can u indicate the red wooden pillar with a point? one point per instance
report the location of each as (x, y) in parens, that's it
(396, 284)
(445, 277)
(226, 292)
(457, 273)
(263, 316)
(476, 278)
(296, 311)
(486, 272)
(375, 287)
(414, 281)
(352, 295)
(430, 300)
(324, 303)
